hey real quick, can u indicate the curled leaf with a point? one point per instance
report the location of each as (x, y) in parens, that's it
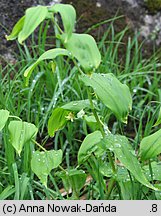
(50, 54)
(33, 17)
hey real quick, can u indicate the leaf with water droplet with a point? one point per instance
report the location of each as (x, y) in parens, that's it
(84, 48)
(156, 171)
(115, 95)
(43, 162)
(123, 152)
(21, 133)
(4, 115)
(77, 105)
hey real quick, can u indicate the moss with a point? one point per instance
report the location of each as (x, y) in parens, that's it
(153, 5)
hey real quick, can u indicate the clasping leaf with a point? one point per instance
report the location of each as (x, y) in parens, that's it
(68, 15)
(21, 133)
(88, 146)
(84, 48)
(43, 162)
(115, 95)
(50, 54)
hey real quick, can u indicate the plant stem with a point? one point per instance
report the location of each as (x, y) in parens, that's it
(103, 135)
(16, 117)
(62, 168)
(34, 141)
(56, 25)
(101, 129)
(95, 113)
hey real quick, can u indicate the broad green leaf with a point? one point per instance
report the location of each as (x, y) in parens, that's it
(105, 169)
(73, 179)
(21, 133)
(84, 48)
(129, 191)
(77, 105)
(124, 152)
(150, 146)
(88, 146)
(50, 54)
(115, 95)
(68, 15)
(159, 119)
(57, 120)
(91, 122)
(16, 29)
(4, 114)
(43, 162)
(156, 171)
(33, 17)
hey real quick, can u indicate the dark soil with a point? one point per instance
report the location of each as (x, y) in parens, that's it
(89, 12)
(10, 12)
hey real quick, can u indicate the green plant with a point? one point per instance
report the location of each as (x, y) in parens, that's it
(153, 6)
(100, 148)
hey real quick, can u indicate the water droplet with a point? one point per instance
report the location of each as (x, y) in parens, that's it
(103, 75)
(117, 145)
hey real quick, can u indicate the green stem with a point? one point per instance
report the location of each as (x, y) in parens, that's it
(34, 141)
(56, 25)
(103, 135)
(95, 113)
(101, 129)
(62, 169)
(16, 117)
